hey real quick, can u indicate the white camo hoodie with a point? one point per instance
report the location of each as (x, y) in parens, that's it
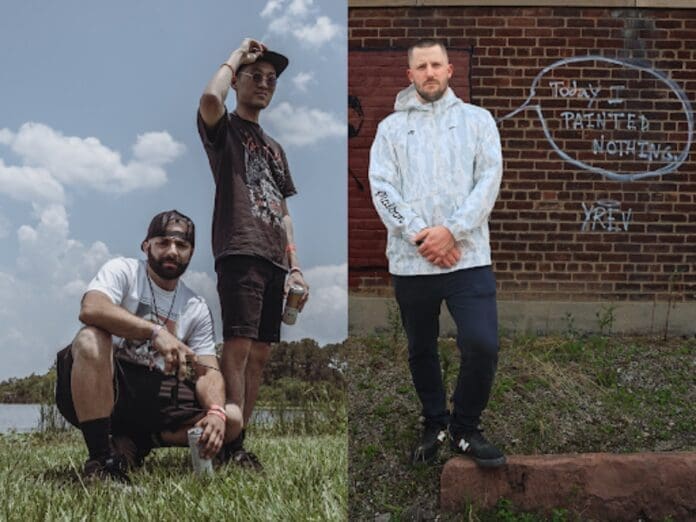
(436, 163)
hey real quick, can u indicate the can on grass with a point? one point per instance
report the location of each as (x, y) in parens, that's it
(201, 466)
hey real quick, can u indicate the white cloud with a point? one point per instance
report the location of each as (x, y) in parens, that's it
(157, 148)
(325, 316)
(271, 7)
(41, 298)
(300, 19)
(48, 256)
(303, 126)
(86, 162)
(301, 80)
(30, 184)
(300, 7)
(323, 30)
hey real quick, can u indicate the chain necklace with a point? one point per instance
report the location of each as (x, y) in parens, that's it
(154, 301)
(164, 324)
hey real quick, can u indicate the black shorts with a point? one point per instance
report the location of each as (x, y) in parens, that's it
(251, 297)
(145, 401)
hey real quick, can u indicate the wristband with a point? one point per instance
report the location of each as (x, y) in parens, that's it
(295, 269)
(155, 332)
(218, 413)
(218, 408)
(225, 64)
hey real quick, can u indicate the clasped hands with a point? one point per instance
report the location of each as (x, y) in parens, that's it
(437, 245)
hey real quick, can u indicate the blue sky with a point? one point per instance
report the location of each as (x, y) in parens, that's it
(97, 134)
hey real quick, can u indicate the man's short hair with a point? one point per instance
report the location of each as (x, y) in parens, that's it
(425, 42)
(160, 223)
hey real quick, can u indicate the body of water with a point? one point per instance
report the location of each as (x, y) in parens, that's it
(25, 417)
(19, 417)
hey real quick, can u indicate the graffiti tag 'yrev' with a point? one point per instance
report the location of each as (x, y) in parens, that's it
(605, 214)
(615, 117)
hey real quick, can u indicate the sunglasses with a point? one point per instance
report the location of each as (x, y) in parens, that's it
(258, 78)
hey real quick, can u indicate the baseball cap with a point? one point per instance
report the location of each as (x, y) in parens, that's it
(162, 221)
(277, 60)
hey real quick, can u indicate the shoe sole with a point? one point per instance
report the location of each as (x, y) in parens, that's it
(484, 463)
(489, 463)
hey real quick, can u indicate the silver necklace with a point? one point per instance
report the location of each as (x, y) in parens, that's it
(154, 301)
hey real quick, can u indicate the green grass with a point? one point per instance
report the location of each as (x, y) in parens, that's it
(305, 478)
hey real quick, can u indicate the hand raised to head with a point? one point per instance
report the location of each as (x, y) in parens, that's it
(250, 50)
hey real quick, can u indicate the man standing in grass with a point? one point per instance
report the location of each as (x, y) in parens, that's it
(253, 240)
(115, 381)
(435, 171)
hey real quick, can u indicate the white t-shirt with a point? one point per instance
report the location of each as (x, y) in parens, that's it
(125, 281)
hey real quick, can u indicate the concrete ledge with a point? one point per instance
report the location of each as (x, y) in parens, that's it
(601, 486)
(369, 314)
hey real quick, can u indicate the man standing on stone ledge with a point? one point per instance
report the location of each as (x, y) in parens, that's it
(435, 171)
(252, 231)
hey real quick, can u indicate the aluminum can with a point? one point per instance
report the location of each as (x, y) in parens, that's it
(292, 304)
(201, 466)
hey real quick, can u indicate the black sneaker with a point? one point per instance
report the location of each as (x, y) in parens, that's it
(111, 468)
(239, 456)
(433, 437)
(246, 459)
(475, 445)
(234, 452)
(131, 452)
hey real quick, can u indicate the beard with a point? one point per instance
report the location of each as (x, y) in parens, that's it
(157, 266)
(432, 96)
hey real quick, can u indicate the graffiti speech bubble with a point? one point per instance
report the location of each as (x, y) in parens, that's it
(596, 109)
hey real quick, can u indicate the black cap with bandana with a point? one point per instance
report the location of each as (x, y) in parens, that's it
(160, 223)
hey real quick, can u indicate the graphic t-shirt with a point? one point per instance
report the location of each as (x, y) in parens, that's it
(125, 281)
(251, 180)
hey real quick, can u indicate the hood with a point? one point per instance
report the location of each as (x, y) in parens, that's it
(407, 100)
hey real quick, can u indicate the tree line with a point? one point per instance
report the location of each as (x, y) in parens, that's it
(296, 367)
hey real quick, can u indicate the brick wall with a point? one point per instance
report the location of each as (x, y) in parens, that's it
(599, 185)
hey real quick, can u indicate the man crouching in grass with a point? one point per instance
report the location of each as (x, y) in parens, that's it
(116, 381)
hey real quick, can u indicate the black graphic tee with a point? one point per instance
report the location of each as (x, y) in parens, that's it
(251, 180)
